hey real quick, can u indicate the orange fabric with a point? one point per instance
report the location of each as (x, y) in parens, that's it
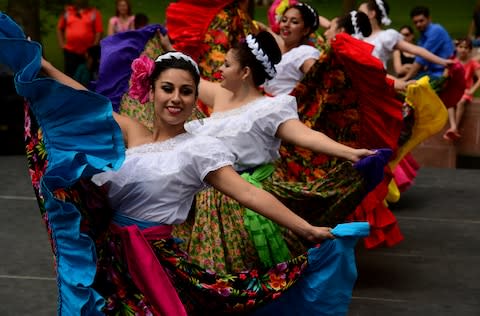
(80, 28)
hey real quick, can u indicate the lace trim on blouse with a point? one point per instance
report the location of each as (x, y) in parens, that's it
(238, 110)
(161, 146)
(278, 109)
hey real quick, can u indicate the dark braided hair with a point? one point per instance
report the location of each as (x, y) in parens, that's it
(372, 5)
(363, 23)
(246, 57)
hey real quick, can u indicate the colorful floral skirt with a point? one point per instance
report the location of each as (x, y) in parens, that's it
(201, 290)
(215, 235)
(71, 135)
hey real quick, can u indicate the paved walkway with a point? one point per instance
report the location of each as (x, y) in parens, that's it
(435, 271)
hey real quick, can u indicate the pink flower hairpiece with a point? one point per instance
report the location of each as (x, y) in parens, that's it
(142, 68)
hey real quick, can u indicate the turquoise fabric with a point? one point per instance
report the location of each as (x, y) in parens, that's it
(81, 139)
(326, 287)
(124, 221)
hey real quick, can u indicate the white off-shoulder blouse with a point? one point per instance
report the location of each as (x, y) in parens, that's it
(249, 131)
(289, 71)
(157, 181)
(384, 42)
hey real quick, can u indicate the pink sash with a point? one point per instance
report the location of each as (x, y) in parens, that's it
(146, 271)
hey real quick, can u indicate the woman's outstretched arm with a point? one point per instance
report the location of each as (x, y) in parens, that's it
(56, 74)
(422, 52)
(126, 124)
(228, 181)
(295, 132)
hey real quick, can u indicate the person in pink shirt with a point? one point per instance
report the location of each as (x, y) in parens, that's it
(472, 74)
(123, 20)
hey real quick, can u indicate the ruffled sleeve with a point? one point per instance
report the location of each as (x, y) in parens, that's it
(303, 53)
(208, 154)
(384, 43)
(391, 38)
(275, 112)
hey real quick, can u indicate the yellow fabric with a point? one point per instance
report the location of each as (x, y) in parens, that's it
(393, 194)
(282, 6)
(430, 116)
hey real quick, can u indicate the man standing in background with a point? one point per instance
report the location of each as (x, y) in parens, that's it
(79, 27)
(434, 38)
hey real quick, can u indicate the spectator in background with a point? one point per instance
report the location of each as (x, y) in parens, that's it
(141, 20)
(385, 41)
(402, 60)
(434, 38)
(79, 27)
(87, 73)
(464, 48)
(123, 19)
(474, 30)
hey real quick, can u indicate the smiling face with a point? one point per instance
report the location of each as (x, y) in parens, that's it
(292, 28)
(174, 97)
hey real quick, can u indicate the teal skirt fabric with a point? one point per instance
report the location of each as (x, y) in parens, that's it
(64, 114)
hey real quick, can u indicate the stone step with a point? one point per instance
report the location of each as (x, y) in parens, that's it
(463, 153)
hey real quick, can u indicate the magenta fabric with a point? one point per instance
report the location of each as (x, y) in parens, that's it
(146, 271)
(405, 172)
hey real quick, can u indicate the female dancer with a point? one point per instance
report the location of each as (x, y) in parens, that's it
(355, 23)
(296, 25)
(336, 114)
(252, 126)
(386, 41)
(140, 215)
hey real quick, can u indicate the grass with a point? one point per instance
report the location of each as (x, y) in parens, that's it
(455, 17)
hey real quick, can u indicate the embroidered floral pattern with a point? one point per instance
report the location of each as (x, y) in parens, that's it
(318, 187)
(201, 290)
(229, 26)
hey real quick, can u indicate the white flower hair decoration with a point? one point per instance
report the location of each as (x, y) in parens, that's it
(260, 56)
(178, 55)
(385, 19)
(356, 30)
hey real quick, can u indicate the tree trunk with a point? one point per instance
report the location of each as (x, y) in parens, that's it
(349, 5)
(27, 14)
